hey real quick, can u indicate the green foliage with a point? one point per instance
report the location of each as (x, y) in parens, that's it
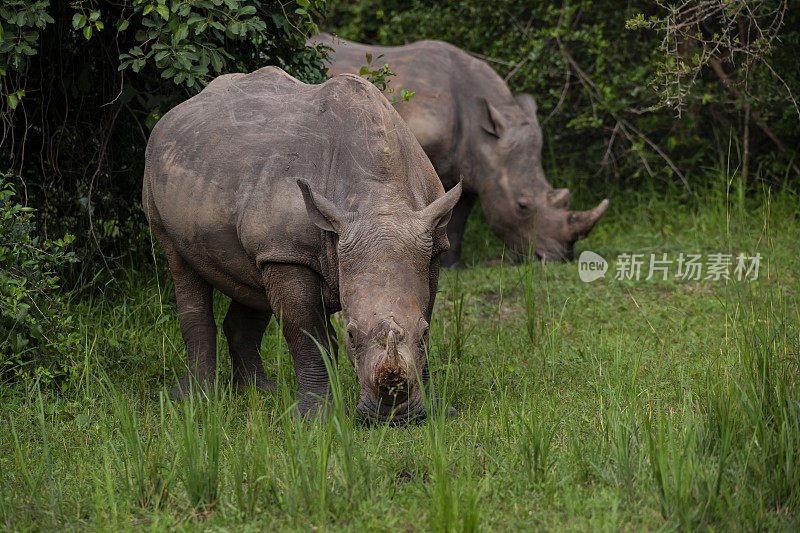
(742, 33)
(379, 76)
(20, 24)
(83, 83)
(188, 42)
(35, 332)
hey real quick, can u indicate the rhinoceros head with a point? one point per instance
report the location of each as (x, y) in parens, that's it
(520, 205)
(386, 272)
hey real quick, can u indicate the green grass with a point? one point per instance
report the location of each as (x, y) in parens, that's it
(609, 405)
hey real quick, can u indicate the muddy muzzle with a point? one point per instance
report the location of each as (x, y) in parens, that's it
(392, 396)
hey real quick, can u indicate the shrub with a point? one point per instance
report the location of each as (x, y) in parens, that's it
(83, 82)
(35, 332)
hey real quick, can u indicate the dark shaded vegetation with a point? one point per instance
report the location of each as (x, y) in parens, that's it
(84, 82)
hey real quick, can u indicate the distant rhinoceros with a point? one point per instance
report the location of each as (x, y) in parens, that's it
(297, 201)
(469, 123)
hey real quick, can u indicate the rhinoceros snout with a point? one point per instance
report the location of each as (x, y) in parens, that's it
(390, 389)
(391, 374)
(566, 253)
(387, 411)
(390, 377)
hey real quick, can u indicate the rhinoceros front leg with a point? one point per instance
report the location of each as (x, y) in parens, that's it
(244, 327)
(196, 317)
(294, 294)
(455, 229)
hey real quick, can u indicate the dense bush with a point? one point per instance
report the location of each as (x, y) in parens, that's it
(35, 333)
(83, 82)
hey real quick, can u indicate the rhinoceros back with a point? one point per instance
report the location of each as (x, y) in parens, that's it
(221, 169)
(446, 81)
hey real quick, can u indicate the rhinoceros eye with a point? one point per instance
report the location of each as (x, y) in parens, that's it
(352, 333)
(522, 205)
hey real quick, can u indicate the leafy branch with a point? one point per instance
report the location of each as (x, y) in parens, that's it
(379, 77)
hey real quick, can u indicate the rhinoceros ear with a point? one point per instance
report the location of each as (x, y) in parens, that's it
(437, 215)
(322, 212)
(494, 123)
(527, 103)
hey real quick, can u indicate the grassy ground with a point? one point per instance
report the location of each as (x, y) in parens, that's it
(606, 405)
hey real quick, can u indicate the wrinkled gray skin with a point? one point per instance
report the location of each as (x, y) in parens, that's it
(471, 125)
(297, 201)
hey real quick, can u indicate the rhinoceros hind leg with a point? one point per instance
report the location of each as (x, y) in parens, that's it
(455, 230)
(196, 317)
(244, 327)
(294, 293)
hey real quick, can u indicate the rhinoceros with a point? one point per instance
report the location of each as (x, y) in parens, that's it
(298, 201)
(469, 123)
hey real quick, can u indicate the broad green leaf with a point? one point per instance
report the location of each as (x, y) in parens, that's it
(194, 19)
(22, 312)
(182, 33)
(163, 11)
(216, 62)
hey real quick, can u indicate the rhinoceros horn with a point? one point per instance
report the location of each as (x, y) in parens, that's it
(392, 356)
(582, 222)
(559, 198)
